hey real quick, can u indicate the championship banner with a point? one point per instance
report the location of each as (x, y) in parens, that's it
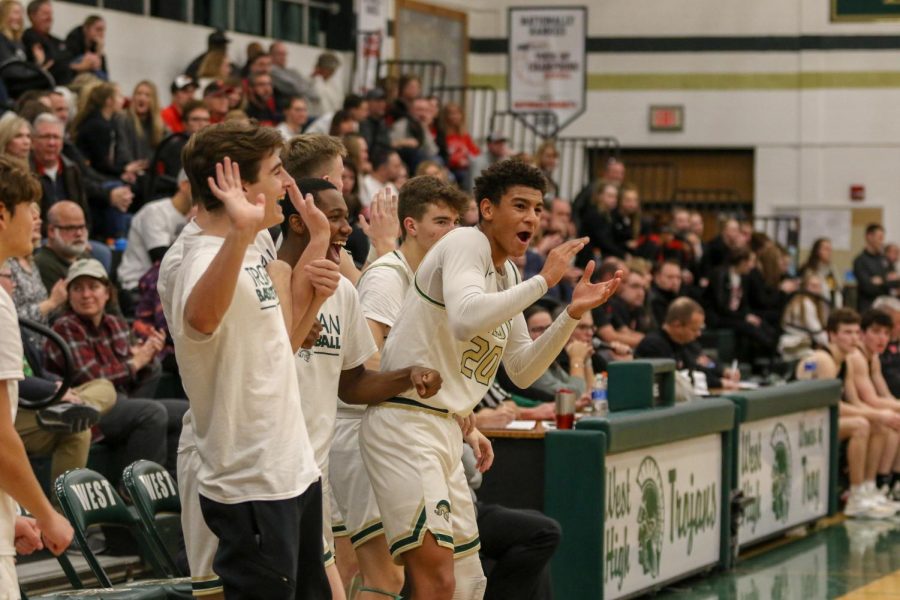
(783, 466)
(371, 31)
(547, 61)
(663, 514)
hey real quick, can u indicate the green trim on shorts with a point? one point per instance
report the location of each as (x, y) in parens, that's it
(467, 547)
(328, 557)
(206, 586)
(406, 403)
(411, 539)
(425, 296)
(366, 533)
(339, 530)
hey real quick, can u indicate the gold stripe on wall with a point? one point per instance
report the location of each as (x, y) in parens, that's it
(722, 81)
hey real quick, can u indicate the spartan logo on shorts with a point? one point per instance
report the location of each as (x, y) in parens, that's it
(443, 510)
(650, 516)
(781, 472)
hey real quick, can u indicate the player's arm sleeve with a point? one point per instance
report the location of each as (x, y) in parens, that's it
(526, 360)
(470, 309)
(193, 267)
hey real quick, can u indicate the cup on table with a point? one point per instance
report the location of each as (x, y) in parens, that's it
(565, 408)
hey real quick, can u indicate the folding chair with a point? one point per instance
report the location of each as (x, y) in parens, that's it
(88, 499)
(155, 496)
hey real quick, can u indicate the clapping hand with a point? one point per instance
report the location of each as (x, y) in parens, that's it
(589, 295)
(559, 259)
(383, 225)
(247, 215)
(314, 219)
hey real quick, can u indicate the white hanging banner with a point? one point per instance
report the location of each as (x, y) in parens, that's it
(371, 31)
(547, 61)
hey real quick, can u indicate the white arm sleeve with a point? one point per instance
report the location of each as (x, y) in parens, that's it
(526, 360)
(470, 309)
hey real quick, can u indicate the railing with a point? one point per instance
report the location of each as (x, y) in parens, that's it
(581, 160)
(656, 181)
(478, 102)
(525, 131)
(722, 201)
(431, 73)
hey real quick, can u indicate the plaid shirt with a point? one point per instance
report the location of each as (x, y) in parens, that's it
(97, 352)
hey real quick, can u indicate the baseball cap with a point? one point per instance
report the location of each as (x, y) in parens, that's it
(86, 267)
(376, 94)
(183, 82)
(496, 136)
(215, 88)
(218, 38)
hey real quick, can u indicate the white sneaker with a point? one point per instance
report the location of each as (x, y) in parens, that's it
(862, 505)
(882, 495)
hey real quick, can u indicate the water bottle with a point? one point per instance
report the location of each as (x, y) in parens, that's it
(809, 370)
(598, 396)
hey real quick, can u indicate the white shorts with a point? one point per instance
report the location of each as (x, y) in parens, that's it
(9, 583)
(199, 542)
(414, 460)
(351, 490)
(327, 501)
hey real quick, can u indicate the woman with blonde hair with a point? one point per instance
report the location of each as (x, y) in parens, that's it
(15, 137)
(804, 318)
(546, 158)
(139, 128)
(597, 224)
(18, 79)
(460, 147)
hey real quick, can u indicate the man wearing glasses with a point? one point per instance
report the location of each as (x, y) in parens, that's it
(67, 241)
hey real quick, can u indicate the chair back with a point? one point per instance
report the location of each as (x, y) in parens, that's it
(155, 496)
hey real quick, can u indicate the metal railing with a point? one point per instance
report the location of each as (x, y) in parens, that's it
(581, 160)
(431, 73)
(478, 102)
(524, 131)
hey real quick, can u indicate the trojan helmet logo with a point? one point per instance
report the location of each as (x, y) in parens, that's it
(781, 472)
(650, 516)
(443, 510)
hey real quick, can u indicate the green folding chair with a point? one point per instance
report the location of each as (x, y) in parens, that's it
(155, 496)
(88, 499)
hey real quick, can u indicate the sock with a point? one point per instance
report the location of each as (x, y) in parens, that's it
(895, 477)
(881, 480)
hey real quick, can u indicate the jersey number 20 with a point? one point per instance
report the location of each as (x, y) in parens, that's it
(481, 362)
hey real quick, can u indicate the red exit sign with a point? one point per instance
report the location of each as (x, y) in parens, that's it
(666, 118)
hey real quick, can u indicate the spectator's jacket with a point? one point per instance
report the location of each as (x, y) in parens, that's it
(100, 352)
(69, 185)
(659, 301)
(77, 46)
(266, 112)
(718, 299)
(866, 266)
(55, 50)
(658, 344)
(890, 367)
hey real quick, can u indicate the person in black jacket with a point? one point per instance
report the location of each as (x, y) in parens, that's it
(86, 42)
(50, 52)
(597, 225)
(665, 288)
(872, 269)
(677, 339)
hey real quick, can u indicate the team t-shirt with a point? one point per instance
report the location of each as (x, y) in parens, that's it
(11, 362)
(245, 400)
(464, 316)
(154, 226)
(344, 343)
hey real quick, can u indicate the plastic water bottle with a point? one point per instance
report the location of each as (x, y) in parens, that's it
(598, 396)
(809, 370)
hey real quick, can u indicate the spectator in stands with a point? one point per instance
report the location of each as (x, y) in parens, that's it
(626, 219)
(15, 138)
(86, 43)
(614, 172)
(61, 100)
(624, 318)
(217, 40)
(102, 349)
(358, 153)
(892, 254)
(411, 136)
(153, 229)
(803, 321)
(216, 66)
(296, 115)
(66, 242)
(819, 262)
(386, 170)
(729, 239)
(597, 226)
(94, 133)
(183, 88)
(139, 128)
(374, 127)
(871, 269)
(261, 103)
(665, 288)
(460, 147)
(890, 357)
(18, 78)
(343, 123)
(547, 158)
(768, 285)
(287, 81)
(195, 117)
(495, 151)
(215, 98)
(578, 374)
(327, 87)
(677, 339)
(355, 108)
(50, 52)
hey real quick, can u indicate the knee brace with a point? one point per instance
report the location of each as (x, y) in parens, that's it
(470, 579)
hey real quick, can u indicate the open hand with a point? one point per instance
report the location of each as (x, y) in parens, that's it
(589, 295)
(484, 452)
(426, 381)
(383, 225)
(559, 259)
(247, 215)
(314, 219)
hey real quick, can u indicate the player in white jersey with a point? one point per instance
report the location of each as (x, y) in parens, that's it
(463, 315)
(428, 208)
(257, 478)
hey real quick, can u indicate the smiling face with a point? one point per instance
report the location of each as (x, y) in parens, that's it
(42, 19)
(88, 297)
(513, 221)
(438, 220)
(332, 204)
(272, 182)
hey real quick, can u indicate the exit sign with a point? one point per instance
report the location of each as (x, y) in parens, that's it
(666, 118)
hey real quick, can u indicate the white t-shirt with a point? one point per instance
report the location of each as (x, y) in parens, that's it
(382, 287)
(245, 401)
(344, 343)
(11, 361)
(154, 226)
(371, 186)
(464, 316)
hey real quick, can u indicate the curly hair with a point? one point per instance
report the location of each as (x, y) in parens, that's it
(499, 177)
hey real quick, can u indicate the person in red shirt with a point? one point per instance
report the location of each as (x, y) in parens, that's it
(460, 147)
(182, 89)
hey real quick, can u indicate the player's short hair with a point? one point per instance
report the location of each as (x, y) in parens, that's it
(875, 318)
(841, 316)
(682, 309)
(499, 177)
(312, 186)
(247, 144)
(422, 191)
(310, 154)
(17, 185)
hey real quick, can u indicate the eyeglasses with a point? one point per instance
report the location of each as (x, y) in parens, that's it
(70, 228)
(49, 137)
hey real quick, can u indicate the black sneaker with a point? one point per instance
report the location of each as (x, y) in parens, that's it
(65, 417)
